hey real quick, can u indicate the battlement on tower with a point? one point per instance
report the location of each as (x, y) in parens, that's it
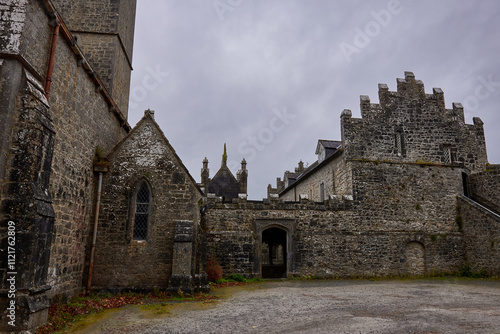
(408, 125)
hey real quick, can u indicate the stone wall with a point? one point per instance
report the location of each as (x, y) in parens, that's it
(481, 230)
(485, 187)
(105, 32)
(83, 122)
(122, 261)
(79, 116)
(406, 197)
(410, 126)
(326, 240)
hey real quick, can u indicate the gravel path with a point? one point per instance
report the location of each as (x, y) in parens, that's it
(358, 306)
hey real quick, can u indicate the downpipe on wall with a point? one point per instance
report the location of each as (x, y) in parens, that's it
(50, 69)
(94, 238)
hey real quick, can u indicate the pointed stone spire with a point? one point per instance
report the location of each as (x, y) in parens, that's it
(224, 157)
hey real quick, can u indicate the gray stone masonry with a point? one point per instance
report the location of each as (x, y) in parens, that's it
(121, 261)
(105, 32)
(417, 123)
(46, 154)
(481, 230)
(328, 240)
(485, 187)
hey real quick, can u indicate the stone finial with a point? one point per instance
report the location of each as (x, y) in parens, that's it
(364, 99)
(438, 93)
(458, 110)
(383, 87)
(364, 103)
(346, 113)
(383, 94)
(224, 156)
(409, 76)
(300, 167)
(150, 113)
(477, 121)
(242, 176)
(205, 172)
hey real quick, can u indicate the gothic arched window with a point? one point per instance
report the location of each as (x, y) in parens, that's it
(141, 215)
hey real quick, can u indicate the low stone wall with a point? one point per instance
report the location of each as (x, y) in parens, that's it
(323, 240)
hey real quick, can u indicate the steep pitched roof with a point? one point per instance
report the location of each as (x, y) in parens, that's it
(149, 117)
(224, 183)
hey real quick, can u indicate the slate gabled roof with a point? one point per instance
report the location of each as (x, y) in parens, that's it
(332, 148)
(328, 144)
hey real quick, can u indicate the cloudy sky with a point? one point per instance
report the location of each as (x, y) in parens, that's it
(270, 78)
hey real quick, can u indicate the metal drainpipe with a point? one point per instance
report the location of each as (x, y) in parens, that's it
(92, 251)
(48, 80)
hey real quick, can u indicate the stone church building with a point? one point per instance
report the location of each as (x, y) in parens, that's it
(89, 203)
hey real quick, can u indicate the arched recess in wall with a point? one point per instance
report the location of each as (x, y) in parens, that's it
(141, 207)
(274, 248)
(415, 258)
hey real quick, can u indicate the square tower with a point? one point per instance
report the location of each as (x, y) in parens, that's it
(105, 32)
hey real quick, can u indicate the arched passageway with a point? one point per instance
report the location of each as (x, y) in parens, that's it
(274, 253)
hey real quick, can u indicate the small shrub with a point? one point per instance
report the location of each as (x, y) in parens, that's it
(213, 270)
(466, 271)
(236, 278)
(434, 237)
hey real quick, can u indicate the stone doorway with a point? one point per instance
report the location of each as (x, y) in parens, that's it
(274, 253)
(415, 258)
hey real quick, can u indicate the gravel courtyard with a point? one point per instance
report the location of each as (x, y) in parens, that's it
(344, 306)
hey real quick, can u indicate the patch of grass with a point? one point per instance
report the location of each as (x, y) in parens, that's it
(434, 237)
(466, 271)
(62, 315)
(158, 308)
(236, 278)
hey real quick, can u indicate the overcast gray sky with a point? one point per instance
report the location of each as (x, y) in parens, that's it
(270, 78)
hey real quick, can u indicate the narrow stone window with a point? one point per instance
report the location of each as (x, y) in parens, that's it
(141, 216)
(321, 192)
(334, 186)
(399, 143)
(447, 155)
